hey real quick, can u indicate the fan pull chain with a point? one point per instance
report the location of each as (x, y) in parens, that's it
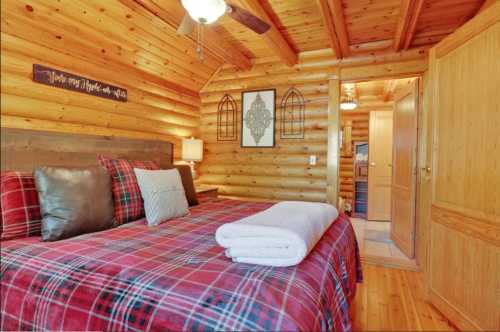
(199, 43)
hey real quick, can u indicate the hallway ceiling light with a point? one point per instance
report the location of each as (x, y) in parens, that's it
(348, 104)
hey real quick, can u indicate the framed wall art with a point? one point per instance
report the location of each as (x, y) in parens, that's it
(258, 117)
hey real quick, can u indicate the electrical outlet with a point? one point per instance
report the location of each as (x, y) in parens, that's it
(312, 160)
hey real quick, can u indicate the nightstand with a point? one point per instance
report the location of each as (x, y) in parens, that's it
(203, 190)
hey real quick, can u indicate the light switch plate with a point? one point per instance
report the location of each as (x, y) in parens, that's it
(312, 160)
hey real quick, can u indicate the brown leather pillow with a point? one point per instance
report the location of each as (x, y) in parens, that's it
(74, 201)
(187, 182)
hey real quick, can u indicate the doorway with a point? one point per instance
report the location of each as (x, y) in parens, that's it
(378, 165)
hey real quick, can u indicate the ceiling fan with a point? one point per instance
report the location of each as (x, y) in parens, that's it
(208, 11)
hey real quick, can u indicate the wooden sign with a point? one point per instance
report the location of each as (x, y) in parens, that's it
(61, 79)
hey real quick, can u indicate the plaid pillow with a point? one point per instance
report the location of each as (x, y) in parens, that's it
(129, 205)
(20, 206)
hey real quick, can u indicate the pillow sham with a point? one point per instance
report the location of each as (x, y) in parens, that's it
(126, 193)
(188, 184)
(163, 195)
(74, 201)
(20, 208)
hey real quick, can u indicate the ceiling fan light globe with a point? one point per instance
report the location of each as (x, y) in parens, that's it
(205, 11)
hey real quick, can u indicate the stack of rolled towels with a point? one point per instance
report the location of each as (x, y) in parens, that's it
(282, 235)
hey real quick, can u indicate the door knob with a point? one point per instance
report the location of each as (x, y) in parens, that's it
(390, 165)
(372, 164)
(427, 169)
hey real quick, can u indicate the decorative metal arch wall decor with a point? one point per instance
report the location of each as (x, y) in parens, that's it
(227, 123)
(292, 114)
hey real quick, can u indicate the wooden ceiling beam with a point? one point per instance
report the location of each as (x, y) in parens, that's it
(407, 23)
(330, 27)
(212, 42)
(273, 36)
(333, 19)
(389, 88)
(417, 9)
(340, 26)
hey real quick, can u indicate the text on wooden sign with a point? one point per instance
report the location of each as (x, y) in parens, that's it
(61, 79)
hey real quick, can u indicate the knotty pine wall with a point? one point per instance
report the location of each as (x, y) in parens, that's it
(283, 172)
(109, 41)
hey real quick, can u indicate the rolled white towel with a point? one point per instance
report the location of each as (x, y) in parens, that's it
(282, 235)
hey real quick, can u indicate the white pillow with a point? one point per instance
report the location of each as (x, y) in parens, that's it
(163, 195)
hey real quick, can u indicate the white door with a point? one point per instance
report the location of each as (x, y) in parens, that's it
(380, 166)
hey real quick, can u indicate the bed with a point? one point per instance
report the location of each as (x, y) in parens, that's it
(175, 277)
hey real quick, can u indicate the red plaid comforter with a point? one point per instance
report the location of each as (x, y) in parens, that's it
(175, 277)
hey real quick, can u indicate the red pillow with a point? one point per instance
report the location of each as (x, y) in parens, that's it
(126, 193)
(20, 206)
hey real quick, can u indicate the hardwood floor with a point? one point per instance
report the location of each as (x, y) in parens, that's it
(393, 300)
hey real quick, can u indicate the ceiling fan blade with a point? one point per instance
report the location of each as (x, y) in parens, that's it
(187, 25)
(248, 19)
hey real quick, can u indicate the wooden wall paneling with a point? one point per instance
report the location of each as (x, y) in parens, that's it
(464, 254)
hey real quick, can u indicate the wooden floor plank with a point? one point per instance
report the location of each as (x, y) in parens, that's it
(394, 300)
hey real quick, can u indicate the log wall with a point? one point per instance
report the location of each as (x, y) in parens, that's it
(281, 173)
(108, 42)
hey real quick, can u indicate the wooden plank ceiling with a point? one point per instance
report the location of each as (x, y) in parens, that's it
(142, 33)
(356, 26)
(349, 27)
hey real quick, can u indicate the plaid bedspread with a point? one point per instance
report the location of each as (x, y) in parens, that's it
(175, 277)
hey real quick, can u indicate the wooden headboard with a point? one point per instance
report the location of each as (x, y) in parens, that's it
(23, 150)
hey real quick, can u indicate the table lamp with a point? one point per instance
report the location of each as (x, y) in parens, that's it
(192, 150)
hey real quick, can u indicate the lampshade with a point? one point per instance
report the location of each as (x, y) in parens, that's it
(192, 149)
(205, 11)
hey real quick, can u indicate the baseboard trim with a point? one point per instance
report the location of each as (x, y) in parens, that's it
(455, 316)
(391, 262)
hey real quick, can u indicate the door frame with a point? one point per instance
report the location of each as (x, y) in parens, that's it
(423, 144)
